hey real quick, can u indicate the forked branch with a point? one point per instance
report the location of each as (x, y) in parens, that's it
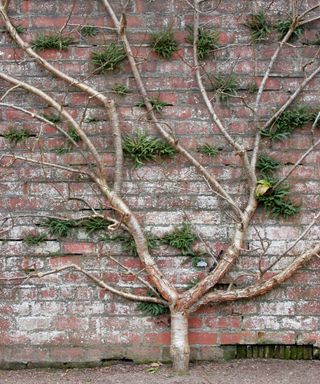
(53, 103)
(108, 103)
(216, 186)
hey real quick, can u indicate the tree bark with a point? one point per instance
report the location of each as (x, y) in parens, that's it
(180, 349)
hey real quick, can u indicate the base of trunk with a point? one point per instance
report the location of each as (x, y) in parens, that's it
(180, 350)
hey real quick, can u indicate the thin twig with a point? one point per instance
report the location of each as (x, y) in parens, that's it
(8, 91)
(291, 98)
(136, 275)
(46, 164)
(296, 164)
(303, 234)
(68, 18)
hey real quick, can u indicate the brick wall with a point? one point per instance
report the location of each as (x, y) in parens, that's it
(66, 318)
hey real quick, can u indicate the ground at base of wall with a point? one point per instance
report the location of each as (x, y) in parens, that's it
(235, 372)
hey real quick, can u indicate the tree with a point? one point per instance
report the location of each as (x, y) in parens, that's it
(259, 185)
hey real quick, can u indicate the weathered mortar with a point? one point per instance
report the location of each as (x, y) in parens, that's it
(66, 318)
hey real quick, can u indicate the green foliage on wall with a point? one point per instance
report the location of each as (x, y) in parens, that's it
(142, 148)
(51, 41)
(109, 58)
(208, 41)
(182, 239)
(258, 25)
(286, 123)
(15, 136)
(164, 43)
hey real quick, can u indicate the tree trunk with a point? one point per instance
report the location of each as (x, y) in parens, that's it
(180, 350)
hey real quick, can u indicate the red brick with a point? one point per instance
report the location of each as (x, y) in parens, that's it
(48, 293)
(4, 324)
(203, 338)
(230, 338)
(78, 248)
(154, 338)
(195, 322)
(223, 322)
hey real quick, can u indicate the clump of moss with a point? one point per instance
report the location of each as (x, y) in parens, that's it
(224, 86)
(109, 58)
(142, 148)
(89, 31)
(283, 27)
(54, 118)
(120, 89)
(208, 41)
(164, 43)
(152, 309)
(258, 25)
(127, 242)
(286, 123)
(209, 150)
(267, 165)
(16, 136)
(51, 41)
(62, 227)
(156, 104)
(19, 29)
(182, 239)
(275, 200)
(35, 239)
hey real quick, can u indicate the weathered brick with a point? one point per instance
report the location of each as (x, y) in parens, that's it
(154, 338)
(71, 323)
(33, 323)
(66, 317)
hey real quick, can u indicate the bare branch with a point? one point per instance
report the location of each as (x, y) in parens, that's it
(167, 135)
(261, 287)
(44, 163)
(100, 283)
(239, 150)
(203, 91)
(305, 13)
(68, 17)
(8, 91)
(91, 25)
(6, 4)
(304, 22)
(108, 103)
(136, 275)
(303, 234)
(166, 289)
(292, 97)
(260, 92)
(296, 164)
(62, 111)
(117, 140)
(316, 120)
